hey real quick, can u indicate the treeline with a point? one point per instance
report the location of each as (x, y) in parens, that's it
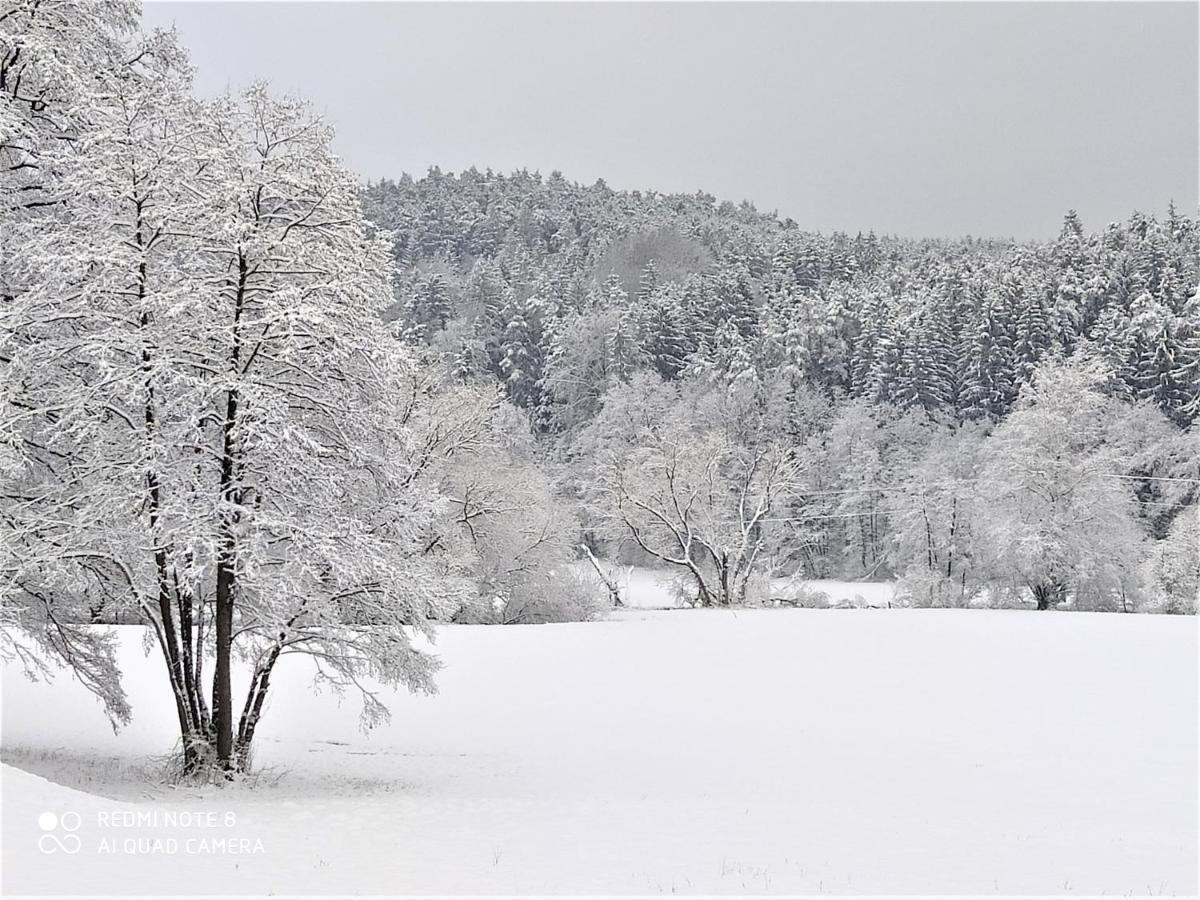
(872, 372)
(519, 272)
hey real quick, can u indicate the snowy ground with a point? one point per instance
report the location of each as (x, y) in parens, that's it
(769, 751)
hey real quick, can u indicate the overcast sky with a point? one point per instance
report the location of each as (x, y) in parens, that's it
(937, 119)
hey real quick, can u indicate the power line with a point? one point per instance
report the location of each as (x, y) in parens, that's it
(891, 511)
(894, 488)
(1148, 478)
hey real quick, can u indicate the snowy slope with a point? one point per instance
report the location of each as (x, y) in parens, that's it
(768, 751)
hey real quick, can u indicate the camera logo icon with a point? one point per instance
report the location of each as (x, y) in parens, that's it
(59, 832)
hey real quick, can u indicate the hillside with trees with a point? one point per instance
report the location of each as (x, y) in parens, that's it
(720, 392)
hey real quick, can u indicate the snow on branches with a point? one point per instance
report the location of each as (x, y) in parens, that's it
(205, 416)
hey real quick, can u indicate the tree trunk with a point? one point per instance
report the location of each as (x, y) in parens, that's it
(227, 548)
(723, 579)
(703, 594)
(222, 696)
(192, 647)
(252, 711)
(950, 540)
(614, 594)
(1046, 594)
(223, 614)
(168, 634)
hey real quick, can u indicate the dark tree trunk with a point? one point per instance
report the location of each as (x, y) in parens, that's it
(950, 540)
(222, 685)
(1048, 593)
(703, 595)
(169, 637)
(723, 579)
(252, 712)
(227, 548)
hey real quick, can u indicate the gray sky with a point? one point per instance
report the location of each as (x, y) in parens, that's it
(920, 119)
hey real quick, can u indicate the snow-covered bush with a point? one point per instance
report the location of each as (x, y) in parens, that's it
(513, 521)
(559, 595)
(925, 589)
(1171, 571)
(683, 589)
(933, 516)
(801, 596)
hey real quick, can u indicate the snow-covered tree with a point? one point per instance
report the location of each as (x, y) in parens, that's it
(1172, 567)
(682, 489)
(934, 510)
(1057, 514)
(57, 59)
(207, 417)
(63, 67)
(592, 350)
(521, 530)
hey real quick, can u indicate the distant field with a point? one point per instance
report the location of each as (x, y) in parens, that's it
(765, 751)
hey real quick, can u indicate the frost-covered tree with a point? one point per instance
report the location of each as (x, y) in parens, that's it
(61, 64)
(659, 321)
(208, 421)
(934, 511)
(522, 352)
(321, 499)
(592, 350)
(522, 532)
(1057, 515)
(1172, 567)
(57, 59)
(682, 489)
(867, 452)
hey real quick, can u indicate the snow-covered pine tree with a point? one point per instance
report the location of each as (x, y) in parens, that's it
(925, 371)
(648, 281)
(1028, 297)
(667, 327)
(988, 364)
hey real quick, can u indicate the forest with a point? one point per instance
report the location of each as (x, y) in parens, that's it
(712, 389)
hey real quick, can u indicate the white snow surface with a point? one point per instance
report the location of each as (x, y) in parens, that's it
(772, 751)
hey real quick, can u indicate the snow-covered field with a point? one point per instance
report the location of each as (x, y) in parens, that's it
(750, 752)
